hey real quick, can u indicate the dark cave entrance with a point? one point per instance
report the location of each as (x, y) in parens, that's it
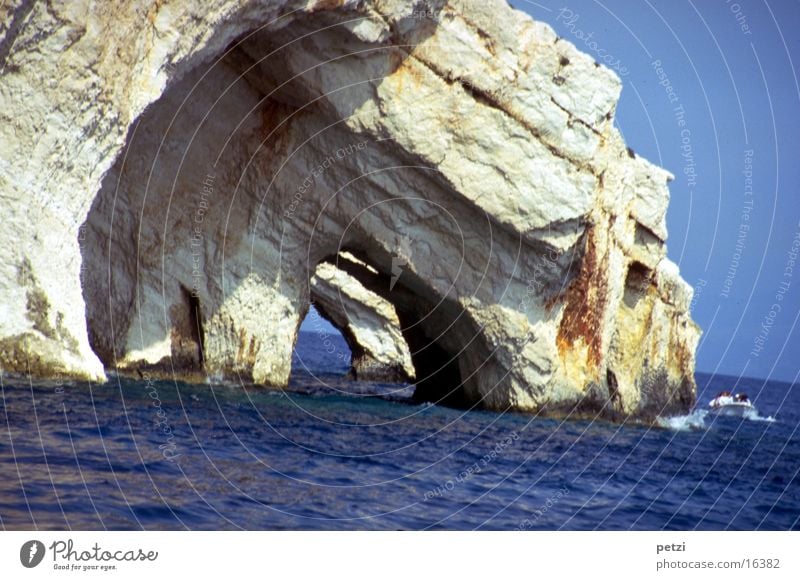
(425, 329)
(439, 377)
(195, 326)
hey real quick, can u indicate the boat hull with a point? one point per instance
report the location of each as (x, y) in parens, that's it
(733, 409)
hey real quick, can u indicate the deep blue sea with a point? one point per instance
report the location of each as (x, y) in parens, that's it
(334, 454)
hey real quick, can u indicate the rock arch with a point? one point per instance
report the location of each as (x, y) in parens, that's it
(437, 137)
(369, 323)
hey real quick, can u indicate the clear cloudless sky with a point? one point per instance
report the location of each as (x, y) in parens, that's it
(731, 66)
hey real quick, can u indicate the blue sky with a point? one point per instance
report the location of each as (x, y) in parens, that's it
(730, 69)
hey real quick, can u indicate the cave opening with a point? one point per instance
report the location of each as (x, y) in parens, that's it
(321, 348)
(395, 332)
(195, 325)
(248, 315)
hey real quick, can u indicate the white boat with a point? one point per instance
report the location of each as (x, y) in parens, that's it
(727, 404)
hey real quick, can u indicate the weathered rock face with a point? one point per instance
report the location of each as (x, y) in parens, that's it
(218, 152)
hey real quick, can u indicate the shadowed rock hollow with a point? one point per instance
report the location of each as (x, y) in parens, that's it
(174, 175)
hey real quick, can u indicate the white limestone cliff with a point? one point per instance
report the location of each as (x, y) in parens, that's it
(172, 175)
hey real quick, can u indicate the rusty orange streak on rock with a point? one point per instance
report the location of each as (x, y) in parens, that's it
(584, 305)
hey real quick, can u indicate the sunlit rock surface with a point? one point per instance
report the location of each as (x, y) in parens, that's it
(173, 174)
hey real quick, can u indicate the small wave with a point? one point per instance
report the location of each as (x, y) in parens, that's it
(214, 379)
(691, 422)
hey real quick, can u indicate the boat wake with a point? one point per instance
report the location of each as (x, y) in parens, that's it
(753, 415)
(695, 421)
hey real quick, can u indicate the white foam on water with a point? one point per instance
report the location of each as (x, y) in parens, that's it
(214, 379)
(754, 415)
(694, 421)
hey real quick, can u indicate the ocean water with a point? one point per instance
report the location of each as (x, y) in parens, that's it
(333, 454)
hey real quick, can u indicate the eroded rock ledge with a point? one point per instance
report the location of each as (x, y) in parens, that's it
(174, 173)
